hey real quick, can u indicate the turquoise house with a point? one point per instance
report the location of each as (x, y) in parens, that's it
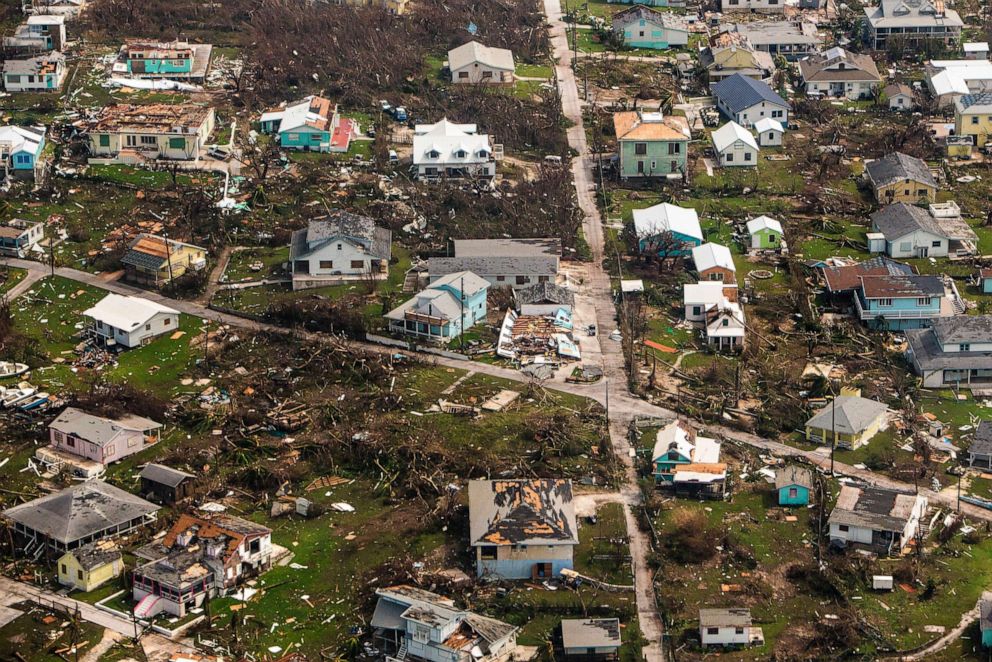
(985, 280)
(793, 485)
(650, 144)
(451, 305)
(642, 27)
(312, 125)
(178, 60)
(896, 302)
(649, 3)
(667, 229)
(22, 148)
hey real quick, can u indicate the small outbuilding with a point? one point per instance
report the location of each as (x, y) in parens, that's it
(899, 96)
(766, 233)
(793, 484)
(734, 146)
(166, 485)
(728, 627)
(770, 132)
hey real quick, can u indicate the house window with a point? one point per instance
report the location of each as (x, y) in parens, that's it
(964, 347)
(936, 243)
(974, 120)
(543, 279)
(729, 158)
(640, 149)
(148, 140)
(923, 301)
(463, 74)
(716, 276)
(327, 264)
(844, 527)
(104, 140)
(740, 630)
(487, 552)
(726, 322)
(793, 492)
(674, 148)
(522, 280)
(747, 156)
(715, 631)
(487, 74)
(70, 442)
(148, 327)
(777, 113)
(339, 246)
(58, 436)
(697, 310)
(500, 279)
(357, 264)
(13, 79)
(885, 302)
(79, 574)
(65, 571)
(422, 634)
(177, 143)
(167, 321)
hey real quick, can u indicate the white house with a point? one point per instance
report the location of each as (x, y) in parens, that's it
(446, 149)
(949, 80)
(880, 520)
(476, 63)
(976, 50)
(728, 627)
(344, 246)
(899, 96)
(908, 231)
(758, 6)
(770, 132)
(745, 100)
(130, 321)
(698, 298)
(725, 326)
(840, 73)
(735, 146)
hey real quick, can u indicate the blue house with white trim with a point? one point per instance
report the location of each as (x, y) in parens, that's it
(21, 150)
(899, 302)
(642, 27)
(667, 229)
(746, 100)
(793, 484)
(451, 305)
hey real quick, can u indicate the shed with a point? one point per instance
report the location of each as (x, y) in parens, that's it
(90, 566)
(164, 484)
(793, 484)
(590, 638)
(882, 582)
(766, 233)
(770, 132)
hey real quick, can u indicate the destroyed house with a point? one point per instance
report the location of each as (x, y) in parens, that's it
(954, 351)
(876, 519)
(40, 33)
(411, 623)
(18, 238)
(132, 134)
(101, 439)
(515, 263)
(178, 60)
(78, 515)
(687, 463)
(522, 528)
(450, 306)
(344, 246)
(844, 280)
(40, 73)
(199, 558)
(155, 260)
(312, 125)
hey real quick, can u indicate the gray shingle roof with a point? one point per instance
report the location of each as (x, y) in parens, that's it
(740, 92)
(97, 429)
(897, 167)
(361, 229)
(793, 475)
(541, 292)
(96, 554)
(488, 266)
(159, 473)
(590, 632)
(734, 617)
(929, 354)
(854, 414)
(981, 443)
(899, 219)
(980, 99)
(79, 511)
(963, 329)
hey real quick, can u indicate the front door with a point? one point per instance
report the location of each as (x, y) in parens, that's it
(922, 251)
(640, 167)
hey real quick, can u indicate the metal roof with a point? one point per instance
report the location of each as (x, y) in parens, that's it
(590, 632)
(728, 134)
(98, 429)
(732, 617)
(126, 312)
(163, 475)
(473, 51)
(522, 511)
(793, 475)
(854, 415)
(739, 93)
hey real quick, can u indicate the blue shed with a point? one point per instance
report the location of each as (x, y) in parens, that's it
(793, 484)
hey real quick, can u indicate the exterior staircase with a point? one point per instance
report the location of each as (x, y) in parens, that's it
(401, 653)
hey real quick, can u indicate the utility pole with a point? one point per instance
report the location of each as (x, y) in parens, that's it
(168, 255)
(461, 306)
(833, 425)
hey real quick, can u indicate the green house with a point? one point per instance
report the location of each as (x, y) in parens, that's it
(651, 144)
(793, 485)
(766, 233)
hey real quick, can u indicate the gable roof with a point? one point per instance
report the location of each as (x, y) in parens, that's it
(856, 67)
(963, 329)
(473, 51)
(738, 92)
(314, 112)
(637, 125)
(666, 217)
(854, 414)
(733, 617)
(728, 134)
(97, 429)
(494, 265)
(546, 291)
(465, 282)
(793, 474)
(899, 219)
(375, 240)
(150, 251)
(163, 475)
(873, 508)
(897, 167)
(522, 511)
(848, 277)
(446, 139)
(96, 554)
(764, 223)
(768, 124)
(897, 89)
(23, 138)
(709, 255)
(590, 632)
(126, 313)
(402, 601)
(708, 292)
(666, 20)
(79, 511)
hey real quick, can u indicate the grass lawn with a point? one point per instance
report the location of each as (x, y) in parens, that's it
(603, 552)
(356, 149)
(9, 277)
(36, 641)
(154, 179)
(271, 258)
(535, 71)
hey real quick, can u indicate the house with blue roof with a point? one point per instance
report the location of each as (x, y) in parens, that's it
(746, 100)
(450, 306)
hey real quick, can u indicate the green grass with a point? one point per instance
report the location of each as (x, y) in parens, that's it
(9, 277)
(272, 260)
(535, 71)
(606, 538)
(36, 641)
(154, 179)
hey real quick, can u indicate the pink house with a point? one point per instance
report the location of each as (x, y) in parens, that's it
(101, 439)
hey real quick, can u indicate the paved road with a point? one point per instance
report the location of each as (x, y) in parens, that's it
(12, 592)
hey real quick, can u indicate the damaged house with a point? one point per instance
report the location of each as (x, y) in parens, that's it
(899, 177)
(39, 73)
(522, 528)
(133, 134)
(78, 515)
(411, 623)
(343, 247)
(688, 463)
(22, 151)
(902, 230)
(155, 260)
(97, 440)
(173, 60)
(512, 263)
(876, 519)
(199, 557)
(312, 125)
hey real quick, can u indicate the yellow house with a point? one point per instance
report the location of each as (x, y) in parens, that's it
(900, 177)
(849, 420)
(724, 61)
(90, 566)
(154, 260)
(973, 117)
